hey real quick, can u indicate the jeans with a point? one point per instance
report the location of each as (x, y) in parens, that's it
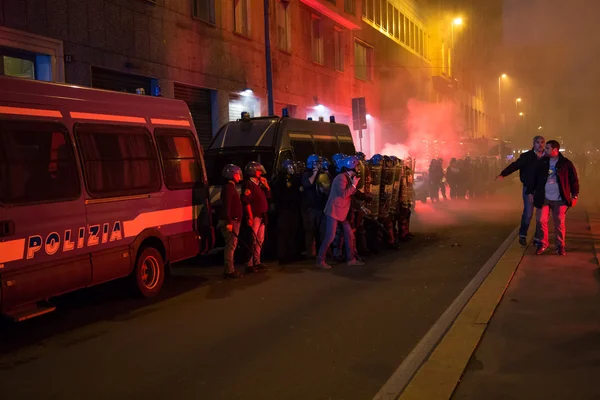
(256, 240)
(332, 225)
(559, 211)
(526, 217)
(231, 241)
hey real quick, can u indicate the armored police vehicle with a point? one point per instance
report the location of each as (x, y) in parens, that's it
(94, 186)
(270, 141)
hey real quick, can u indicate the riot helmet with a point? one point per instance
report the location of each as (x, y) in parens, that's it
(288, 166)
(230, 170)
(361, 156)
(350, 163)
(313, 161)
(377, 159)
(252, 168)
(337, 158)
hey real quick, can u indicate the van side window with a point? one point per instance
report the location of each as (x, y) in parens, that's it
(37, 163)
(327, 148)
(179, 156)
(284, 155)
(118, 160)
(303, 149)
(347, 148)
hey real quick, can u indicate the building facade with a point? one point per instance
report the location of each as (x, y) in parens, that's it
(211, 54)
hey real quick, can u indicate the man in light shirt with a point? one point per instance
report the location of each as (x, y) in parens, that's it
(555, 188)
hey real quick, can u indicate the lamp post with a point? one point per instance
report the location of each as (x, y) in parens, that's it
(517, 101)
(455, 21)
(268, 59)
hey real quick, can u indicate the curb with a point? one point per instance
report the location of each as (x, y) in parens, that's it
(413, 378)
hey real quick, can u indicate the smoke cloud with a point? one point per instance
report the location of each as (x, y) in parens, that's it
(434, 130)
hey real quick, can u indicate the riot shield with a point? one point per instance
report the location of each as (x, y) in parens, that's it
(374, 189)
(387, 185)
(323, 183)
(396, 186)
(362, 171)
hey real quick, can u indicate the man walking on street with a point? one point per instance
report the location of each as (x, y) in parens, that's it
(555, 188)
(525, 164)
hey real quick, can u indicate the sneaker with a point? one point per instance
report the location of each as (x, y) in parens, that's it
(323, 265)
(233, 275)
(541, 250)
(522, 240)
(261, 267)
(353, 263)
(561, 251)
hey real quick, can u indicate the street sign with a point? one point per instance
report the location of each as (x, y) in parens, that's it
(359, 113)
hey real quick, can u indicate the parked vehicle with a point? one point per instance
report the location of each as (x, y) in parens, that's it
(94, 186)
(421, 186)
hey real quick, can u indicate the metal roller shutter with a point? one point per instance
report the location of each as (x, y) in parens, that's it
(119, 81)
(199, 103)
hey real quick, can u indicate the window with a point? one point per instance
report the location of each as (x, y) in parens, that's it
(368, 5)
(421, 42)
(338, 44)
(303, 149)
(347, 148)
(241, 21)
(350, 7)
(204, 10)
(394, 17)
(284, 155)
(411, 33)
(118, 160)
(317, 41)
(216, 160)
(179, 158)
(402, 29)
(362, 61)
(377, 12)
(284, 27)
(327, 148)
(37, 163)
(384, 15)
(396, 25)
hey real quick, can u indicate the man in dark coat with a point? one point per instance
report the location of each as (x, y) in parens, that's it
(555, 188)
(525, 164)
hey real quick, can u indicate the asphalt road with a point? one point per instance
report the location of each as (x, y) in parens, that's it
(292, 333)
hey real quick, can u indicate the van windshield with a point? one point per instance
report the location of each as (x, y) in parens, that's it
(217, 159)
(253, 133)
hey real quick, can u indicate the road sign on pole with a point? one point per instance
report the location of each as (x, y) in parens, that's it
(359, 114)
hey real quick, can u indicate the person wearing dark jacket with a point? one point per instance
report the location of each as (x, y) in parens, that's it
(525, 164)
(255, 193)
(230, 217)
(555, 187)
(286, 192)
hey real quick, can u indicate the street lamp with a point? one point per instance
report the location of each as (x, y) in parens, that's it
(456, 21)
(521, 114)
(539, 128)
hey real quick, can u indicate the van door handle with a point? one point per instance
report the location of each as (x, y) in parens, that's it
(7, 228)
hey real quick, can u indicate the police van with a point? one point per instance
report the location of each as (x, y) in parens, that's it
(94, 186)
(270, 141)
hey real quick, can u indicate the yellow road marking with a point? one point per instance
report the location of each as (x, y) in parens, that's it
(438, 376)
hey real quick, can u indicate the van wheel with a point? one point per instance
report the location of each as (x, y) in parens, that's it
(149, 273)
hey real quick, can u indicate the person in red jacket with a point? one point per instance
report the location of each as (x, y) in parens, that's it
(230, 217)
(255, 193)
(555, 188)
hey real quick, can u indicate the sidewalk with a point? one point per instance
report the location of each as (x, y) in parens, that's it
(543, 341)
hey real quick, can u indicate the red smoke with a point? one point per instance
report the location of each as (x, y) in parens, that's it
(434, 130)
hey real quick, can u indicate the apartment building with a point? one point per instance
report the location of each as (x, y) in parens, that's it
(211, 54)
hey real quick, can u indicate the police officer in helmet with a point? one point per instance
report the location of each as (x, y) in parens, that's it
(230, 217)
(255, 194)
(286, 192)
(313, 203)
